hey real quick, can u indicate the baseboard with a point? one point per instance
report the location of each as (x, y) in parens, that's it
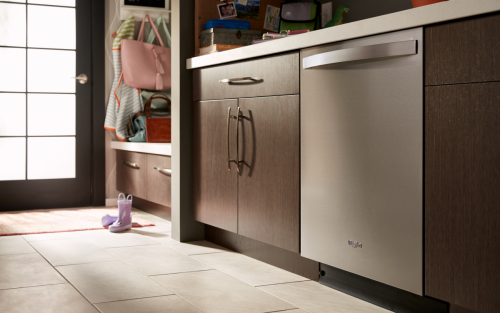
(156, 209)
(385, 296)
(111, 201)
(284, 259)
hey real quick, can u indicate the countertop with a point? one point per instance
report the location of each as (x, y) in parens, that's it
(426, 15)
(143, 147)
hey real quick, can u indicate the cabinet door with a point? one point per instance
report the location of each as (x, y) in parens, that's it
(214, 185)
(159, 179)
(269, 182)
(462, 198)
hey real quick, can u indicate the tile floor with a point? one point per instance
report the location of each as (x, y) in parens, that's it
(144, 270)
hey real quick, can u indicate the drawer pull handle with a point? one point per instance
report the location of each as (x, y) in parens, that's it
(232, 80)
(134, 165)
(163, 170)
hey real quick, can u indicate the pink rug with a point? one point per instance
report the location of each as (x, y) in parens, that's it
(40, 222)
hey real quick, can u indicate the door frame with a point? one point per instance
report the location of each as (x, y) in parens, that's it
(93, 154)
(98, 170)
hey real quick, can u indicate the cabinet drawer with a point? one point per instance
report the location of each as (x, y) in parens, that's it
(463, 51)
(278, 75)
(131, 173)
(159, 179)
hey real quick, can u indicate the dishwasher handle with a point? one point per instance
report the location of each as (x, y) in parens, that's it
(383, 50)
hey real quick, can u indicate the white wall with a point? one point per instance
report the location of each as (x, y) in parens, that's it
(112, 23)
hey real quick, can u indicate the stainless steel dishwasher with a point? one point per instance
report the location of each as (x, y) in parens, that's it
(362, 157)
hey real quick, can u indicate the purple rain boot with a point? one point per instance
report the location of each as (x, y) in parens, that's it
(124, 221)
(108, 220)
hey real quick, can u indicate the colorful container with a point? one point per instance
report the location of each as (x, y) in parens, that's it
(221, 36)
(421, 3)
(227, 24)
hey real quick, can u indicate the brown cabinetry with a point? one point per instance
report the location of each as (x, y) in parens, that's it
(131, 173)
(146, 176)
(215, 196)
(159, 179)
(261, 199)
(269, 181)
(462, 195)
(463, 51)
(274, 75)
(462, 164)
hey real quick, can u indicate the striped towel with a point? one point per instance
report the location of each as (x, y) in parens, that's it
(123, 100)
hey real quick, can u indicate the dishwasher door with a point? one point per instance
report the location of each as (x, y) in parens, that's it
(362, 157)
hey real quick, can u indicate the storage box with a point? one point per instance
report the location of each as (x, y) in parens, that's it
(223, 36)
(227, 24)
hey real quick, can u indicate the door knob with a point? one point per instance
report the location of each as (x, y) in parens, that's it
(82, 78)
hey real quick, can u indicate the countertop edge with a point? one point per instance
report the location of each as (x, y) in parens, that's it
(417, 17)
(143, 147)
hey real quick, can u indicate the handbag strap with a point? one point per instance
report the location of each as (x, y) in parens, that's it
(162, 28)
(153, 27)
(147, 106)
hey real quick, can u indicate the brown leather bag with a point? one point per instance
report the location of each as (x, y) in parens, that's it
(158, 126)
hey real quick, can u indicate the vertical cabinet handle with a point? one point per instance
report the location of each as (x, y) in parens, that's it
(238, 118)
(236, 161)
(229, 160)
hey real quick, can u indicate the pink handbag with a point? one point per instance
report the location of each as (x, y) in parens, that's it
(145, 65)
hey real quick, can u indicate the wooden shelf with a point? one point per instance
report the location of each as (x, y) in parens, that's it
(139, 12)
(143, 147)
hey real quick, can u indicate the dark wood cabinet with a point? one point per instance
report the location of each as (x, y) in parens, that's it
(131, 173)
(159, 188)
(261, 202)
(464, 51)
(269, 182)
(462, 164)
(274, 75)
(136, 175)
(462, 195)
(215, 196)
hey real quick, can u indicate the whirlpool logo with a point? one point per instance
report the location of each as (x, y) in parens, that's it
(355, 244)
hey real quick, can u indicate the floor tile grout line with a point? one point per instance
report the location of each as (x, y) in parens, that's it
(36, 251)
(203, 253)
(178, 295)
(149, 244)
(35, 286)
(287, 310)
(68, 282)
(220, 270)
(131, 299)
(94, 304)
(54, 238)
(77, 290)
(74, 287)
(296, 306)
(299, 307)
(63, 265)
(134, 269)
(29, 242)
(284, 283)
(1, 255)
(154, 275)
(190, 256)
